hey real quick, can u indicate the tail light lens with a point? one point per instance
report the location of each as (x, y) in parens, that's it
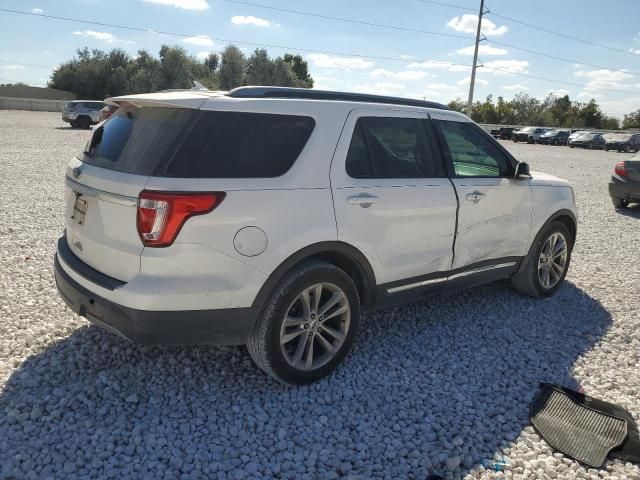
(620, 170)
(162, 214)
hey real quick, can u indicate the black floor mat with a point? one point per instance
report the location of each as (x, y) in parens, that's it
(575, 425)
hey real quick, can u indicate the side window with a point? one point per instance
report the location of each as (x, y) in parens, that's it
(472, 153)
(388, 147)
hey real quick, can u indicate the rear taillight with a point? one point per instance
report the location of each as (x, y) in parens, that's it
(162, 214)
(620, 170)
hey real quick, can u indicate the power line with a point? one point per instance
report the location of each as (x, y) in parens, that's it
(559, 34)
(434, 63)
(223, 40)
(443, 4)
(415, 30)
(552, 80)
(349, 20)
(561, 58)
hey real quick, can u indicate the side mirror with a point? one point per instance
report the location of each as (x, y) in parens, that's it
(522, 170)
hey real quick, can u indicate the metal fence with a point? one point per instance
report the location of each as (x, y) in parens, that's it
(31, 104)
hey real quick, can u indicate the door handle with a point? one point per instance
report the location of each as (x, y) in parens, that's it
(365, 200)
(475, 197)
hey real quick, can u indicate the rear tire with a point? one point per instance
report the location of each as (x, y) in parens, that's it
(84, 123)
(74, 124)
(310, 344)
(545, 255)
(619, 203)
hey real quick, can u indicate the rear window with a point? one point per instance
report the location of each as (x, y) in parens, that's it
(186, 143)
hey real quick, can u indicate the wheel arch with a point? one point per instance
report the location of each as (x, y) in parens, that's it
(340, 254)
(564, 216)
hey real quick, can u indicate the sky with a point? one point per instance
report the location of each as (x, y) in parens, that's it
(401, 59)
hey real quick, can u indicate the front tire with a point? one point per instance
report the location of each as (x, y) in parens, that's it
(308, 324)
(547, 263)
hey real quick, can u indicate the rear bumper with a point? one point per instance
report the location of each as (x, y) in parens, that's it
(230, 326)
(624, 190)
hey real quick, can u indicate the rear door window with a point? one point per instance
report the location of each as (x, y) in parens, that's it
(186, 143)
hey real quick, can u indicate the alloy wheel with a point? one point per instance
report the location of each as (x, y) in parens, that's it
(553, 260)
(315, 326)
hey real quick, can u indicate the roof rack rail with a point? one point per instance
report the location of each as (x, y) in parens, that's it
(307, 93)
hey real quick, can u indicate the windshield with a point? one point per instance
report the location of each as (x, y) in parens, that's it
(527, 129)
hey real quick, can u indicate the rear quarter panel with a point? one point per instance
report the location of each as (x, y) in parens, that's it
(547, 200)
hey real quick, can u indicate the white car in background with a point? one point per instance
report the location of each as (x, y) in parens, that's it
(275, 217)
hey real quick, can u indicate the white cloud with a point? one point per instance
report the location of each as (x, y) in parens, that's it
(13, 68)
(466, 81)
(200, 41)
(203, 55)
(404, 56)
(603, 78)
(38, 11)
(322, 60)
(468, 23)
(380, 88)
(251, 20)
(518, 87)
(184, 4)
(635, 51)
(439, 87)
(483, 49)
(503, 67)
(433, 64)
(558, 92)
(104, 36)
(404, 75)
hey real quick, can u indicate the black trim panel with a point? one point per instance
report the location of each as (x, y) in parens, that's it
(230, 326)
(445, 282)
(81, 268)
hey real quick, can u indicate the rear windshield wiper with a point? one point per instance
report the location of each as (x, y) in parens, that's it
(95, 140)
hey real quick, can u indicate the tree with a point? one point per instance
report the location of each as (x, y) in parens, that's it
(458, 105)
(175, 71)
(259, 68)
(592, 114)
(143, 73)
(212, 61)
(632, 120)
(232, 68)
(283, 74)
(300, 69)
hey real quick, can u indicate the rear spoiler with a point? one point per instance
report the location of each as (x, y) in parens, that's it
(168, 99)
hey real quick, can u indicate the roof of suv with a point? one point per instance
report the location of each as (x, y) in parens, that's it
(190, 97)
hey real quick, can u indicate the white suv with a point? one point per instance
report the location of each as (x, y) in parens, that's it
(275, 217)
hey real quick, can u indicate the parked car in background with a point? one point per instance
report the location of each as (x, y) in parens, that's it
(506, 133)
(589, 140)
(107, 111)
(622, 142)
(554, 137)
(576, 133)
(528, 134)
(82, 113)
(175, 230)
(624, 187)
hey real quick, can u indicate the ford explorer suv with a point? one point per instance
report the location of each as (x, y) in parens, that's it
(82, 113)
(275, 217)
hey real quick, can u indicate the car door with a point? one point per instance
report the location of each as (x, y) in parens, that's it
(392, 198)
(494, 219)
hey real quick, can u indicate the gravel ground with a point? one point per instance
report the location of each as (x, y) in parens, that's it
(441, 387)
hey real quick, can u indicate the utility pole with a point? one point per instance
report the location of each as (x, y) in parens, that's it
(475, 59)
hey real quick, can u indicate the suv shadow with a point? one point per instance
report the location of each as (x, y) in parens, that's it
(451, 377)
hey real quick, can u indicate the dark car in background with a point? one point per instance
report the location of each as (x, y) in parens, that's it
(555, 137)
(589, 140)
(624, 186)
(506, 133)
(622, 142)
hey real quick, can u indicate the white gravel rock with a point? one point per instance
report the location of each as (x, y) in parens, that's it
(438, 387)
